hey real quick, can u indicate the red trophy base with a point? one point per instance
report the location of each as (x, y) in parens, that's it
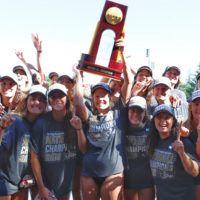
(87, 64)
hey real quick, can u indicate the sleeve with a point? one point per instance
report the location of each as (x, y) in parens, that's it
(190, 149)
(9, 136)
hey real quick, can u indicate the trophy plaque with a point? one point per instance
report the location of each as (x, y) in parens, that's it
(112, 20)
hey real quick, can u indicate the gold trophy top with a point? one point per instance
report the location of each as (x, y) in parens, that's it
(114, 16)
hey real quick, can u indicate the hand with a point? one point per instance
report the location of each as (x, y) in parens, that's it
(175, 101)
(20, 55)
(44, 193)
(75, 120)
(184, 132)
(121, 44)
(37, 43)
(178, 145)
(7, 119)
(138, 87)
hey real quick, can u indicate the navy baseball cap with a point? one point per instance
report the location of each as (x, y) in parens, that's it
(198, 76)
(52, 74)
(101, 85)
(18, 67)
(144, 68)
(164, 108)
(195, 95)
(172, 67)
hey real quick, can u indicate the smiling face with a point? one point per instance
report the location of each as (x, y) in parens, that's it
(8, 87)
(144, 76)
(136, 116)
(161, 93)
(66, 82)
(195, 109)
(58, 100)
(163, 123)
(115, 87)
(101, 100)
(173, 75)
(36, 104)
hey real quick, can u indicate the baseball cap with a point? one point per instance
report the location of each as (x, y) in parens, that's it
(101, 85)
(11, 76)
(137, 101)
(172, 67)
(162, 81)
(58, 87)
(198, 76)
(164, 108)
(38, 89)
(195, 95)
(66, 76)
(146, 68)
(52, 74)
(18, 67)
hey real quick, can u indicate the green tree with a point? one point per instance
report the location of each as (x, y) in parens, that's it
(190, 84)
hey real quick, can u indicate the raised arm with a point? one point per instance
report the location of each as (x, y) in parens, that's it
(38, 46)
(20, 55)
(190, 166)
(78, 99)
(77, 124)
(126, 87)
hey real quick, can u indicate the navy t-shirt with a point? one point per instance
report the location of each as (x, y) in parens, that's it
(14, 156)
(138, 175)
(105, 143)
(171, 179)
(57, 161)
(193, 137)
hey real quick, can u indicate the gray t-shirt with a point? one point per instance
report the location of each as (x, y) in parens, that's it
(105, 143)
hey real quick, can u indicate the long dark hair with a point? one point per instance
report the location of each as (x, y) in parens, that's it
(69, 131)
(154, 135)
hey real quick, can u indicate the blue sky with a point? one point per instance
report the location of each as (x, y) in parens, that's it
(169, 28)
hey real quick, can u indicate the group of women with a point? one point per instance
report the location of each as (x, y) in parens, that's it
(138, 145)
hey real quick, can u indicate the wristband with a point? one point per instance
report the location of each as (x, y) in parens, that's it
(79, 129)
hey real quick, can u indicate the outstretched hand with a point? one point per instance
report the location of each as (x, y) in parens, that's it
(7, 119)
(183, 131)
(175, 101)
(75, 120)
(121, 44)
(37, 42)
(178, 145)
(20, 55)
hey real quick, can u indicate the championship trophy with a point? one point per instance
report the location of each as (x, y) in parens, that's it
(112, 20)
